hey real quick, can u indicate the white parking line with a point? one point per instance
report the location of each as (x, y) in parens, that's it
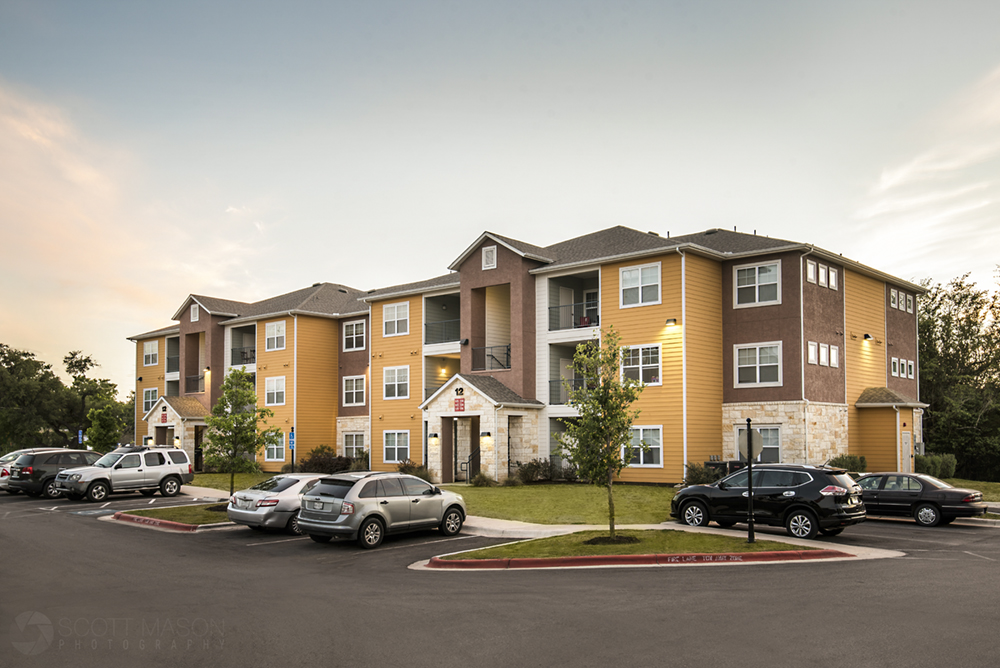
(106, 504)
(151, 502)
(979, 555)
(445, 540)
(272, 542)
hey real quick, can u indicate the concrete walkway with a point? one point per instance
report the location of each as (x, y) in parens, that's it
(206, 493)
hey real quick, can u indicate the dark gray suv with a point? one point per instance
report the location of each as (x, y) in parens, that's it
(364, 506)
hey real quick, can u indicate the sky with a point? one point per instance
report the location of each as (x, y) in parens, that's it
(152, 150)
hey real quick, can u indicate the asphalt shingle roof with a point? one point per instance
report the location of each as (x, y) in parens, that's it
(173, 329)
(187, 407)
(879, 396)
(497, 391)
(447, 280)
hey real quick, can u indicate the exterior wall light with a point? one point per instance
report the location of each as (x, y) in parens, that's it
(177, 441)
(868, 337)
(671, 322)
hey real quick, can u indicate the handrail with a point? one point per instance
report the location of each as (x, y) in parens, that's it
(467, 464)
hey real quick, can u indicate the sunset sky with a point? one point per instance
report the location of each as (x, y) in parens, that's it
(246, 149)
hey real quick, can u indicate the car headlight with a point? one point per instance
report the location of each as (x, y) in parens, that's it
(75, 477)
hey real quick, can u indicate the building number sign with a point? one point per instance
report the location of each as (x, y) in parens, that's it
(459, 405)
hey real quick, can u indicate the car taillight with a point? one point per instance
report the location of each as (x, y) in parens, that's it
(971, 498)
(190, 470)
(267, 502)
(232, 499)
(28, 470)
(4, 473)
(833, 490)
(347, 508)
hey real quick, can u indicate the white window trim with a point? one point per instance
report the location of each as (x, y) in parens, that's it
(893, 298)
(364, 390)
(894, 367)
(810, 271)
(283, 335)
(659, 363)
(195, 313)
(824, 354)
(280, 448)
(909, 303)
(736, 439)
(486, 253)
(396, 320)
(812, 354)
(755, 304)
(824, 272)
(364, 335)
(639, 268)
(736, 364)
(384, 369)
(284, 396)
(384, 446)
(354, 434)
(833, 278)
(835, 356)
(152, 401)
(639, 427)
(910, 367)
(155, 354)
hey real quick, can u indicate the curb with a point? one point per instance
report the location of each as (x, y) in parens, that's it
(634, 560)
(153, 522)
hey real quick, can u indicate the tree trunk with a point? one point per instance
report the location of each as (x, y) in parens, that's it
(232, 482)
(611, 506)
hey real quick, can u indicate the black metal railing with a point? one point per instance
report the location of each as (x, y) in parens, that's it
(491, 358)
(444, 331)
(559, 394)
(244, 356)
(173, 363)
(194, 384)
(573, 316)
(466, 466)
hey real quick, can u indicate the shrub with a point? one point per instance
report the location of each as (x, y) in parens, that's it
(849, 462)
(412, 468)
(360, 462)
(929, 464)
(948, 464)
(323, 459)
(536, 469)
(483, 480)
(570, 472)
(699, 474)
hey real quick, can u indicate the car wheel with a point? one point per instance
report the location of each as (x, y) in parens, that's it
(97, 491)
(170, 487)
(49, 489)
(147, 492)
(801, 524)
(835, 531)
(947, 520)
(320, 539)
(371, 533)
(451, 524)
(74, 496)
(927, 515)
(725, 524)
(293, 525)
(694, 514)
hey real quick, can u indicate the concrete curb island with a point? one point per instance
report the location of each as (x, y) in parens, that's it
(635, 560)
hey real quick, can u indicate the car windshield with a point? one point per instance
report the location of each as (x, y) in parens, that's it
(934, 482)
(108, 460)
(9, 457)
(275, 484)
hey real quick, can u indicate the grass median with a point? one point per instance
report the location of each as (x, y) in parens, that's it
(206, 513)
(221, 480)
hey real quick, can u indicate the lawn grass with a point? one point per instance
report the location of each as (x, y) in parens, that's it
(990, 490)
(650, 542)
(221, 480)
(197, 514)
(568, 503)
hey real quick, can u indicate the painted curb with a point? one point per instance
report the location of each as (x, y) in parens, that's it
(153, 522)
(635, 560)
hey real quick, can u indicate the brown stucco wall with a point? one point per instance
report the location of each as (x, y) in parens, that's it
(823, 311)
(354, 363)
(215, 340)
(901, 342)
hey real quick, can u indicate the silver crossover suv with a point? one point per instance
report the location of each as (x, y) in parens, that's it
(367, 505)
(272, 504)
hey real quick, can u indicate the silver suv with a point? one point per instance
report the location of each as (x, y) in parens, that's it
(364, 506)
(128, 469)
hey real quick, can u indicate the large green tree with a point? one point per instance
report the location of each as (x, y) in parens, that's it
(599, 442)
(237, 428)
(960, 375)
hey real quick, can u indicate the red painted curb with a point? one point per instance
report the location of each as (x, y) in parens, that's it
(636, 560)
(153, 522)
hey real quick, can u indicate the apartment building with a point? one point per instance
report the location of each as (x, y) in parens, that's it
(465, 371)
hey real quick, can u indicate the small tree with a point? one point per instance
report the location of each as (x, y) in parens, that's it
(106, 425)
(599, 442)
(235, 438)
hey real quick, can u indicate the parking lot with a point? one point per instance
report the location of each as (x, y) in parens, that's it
(116, 595)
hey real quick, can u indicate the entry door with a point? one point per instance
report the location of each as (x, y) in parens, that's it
(907, 458)
(566, 372)
(590, 306)
(565, 308)
(447, 450)
(128, 473)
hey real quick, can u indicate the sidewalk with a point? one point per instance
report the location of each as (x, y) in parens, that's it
(206, 493)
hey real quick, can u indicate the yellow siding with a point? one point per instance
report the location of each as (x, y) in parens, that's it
(865, 314)
(876, 438)
(704, 366)
(645, 325)
(396, 414)
(317, 387)
(272, 364)
(152, 377)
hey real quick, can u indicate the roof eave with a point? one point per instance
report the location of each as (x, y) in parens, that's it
(407, 293)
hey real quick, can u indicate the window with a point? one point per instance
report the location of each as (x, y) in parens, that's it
(822, 275)
(909, 303)
(909, 369)
(895, 366)
(490, 257)
(274, 333)
(275, 450)
(354, 391)
(758, 284)
(833, 278)
(395, 319)
(154, 459)
(640, 286)
(770, 452)
(834, 356)
(893, 298)
(274, 391)
(148, 399)
(824, 354)
(396, 382)
(397, 446)
(195, 313)
(354, 445)
(758, 365)
(642, 363)
(354, 335)
(650, 437)
(810, 271)
(812, 355)
(150, 353)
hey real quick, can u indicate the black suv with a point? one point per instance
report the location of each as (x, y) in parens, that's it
(35, 473)
(803, 499)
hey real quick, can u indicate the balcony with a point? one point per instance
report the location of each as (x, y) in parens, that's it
(558, 394)
(193, 384)
(244, 356)
(573, 316)
(445, 331)
(491, 358)
(173, 363)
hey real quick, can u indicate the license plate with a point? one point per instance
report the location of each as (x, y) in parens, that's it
(316, 505)
(59, 484)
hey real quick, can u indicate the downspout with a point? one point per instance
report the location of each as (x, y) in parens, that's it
(802, 352)
(295, 378)
(898, 458)
(684, 377)
(496, 441)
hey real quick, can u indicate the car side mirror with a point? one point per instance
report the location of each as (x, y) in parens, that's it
(118, 466)
(723, 485)
(437, 490)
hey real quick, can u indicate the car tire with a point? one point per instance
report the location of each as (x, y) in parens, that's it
(293, 525)
(170, 486)
(452, 521)
(801, 524)
(49, 490)
(694, 514)
(947, 520)
(833, 531)
(927, 515)
(320, 539)
(147, 492)
(725, 524)
(98, 491)
(371, 533)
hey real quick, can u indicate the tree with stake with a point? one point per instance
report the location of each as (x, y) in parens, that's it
(600, 442)
(235, 438)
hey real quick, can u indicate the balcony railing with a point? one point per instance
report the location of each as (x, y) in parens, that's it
(491, 358)
(558, 394)
(244, 356)
(194, 384)
(573, 316)
(173, 363)
(445, 331)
